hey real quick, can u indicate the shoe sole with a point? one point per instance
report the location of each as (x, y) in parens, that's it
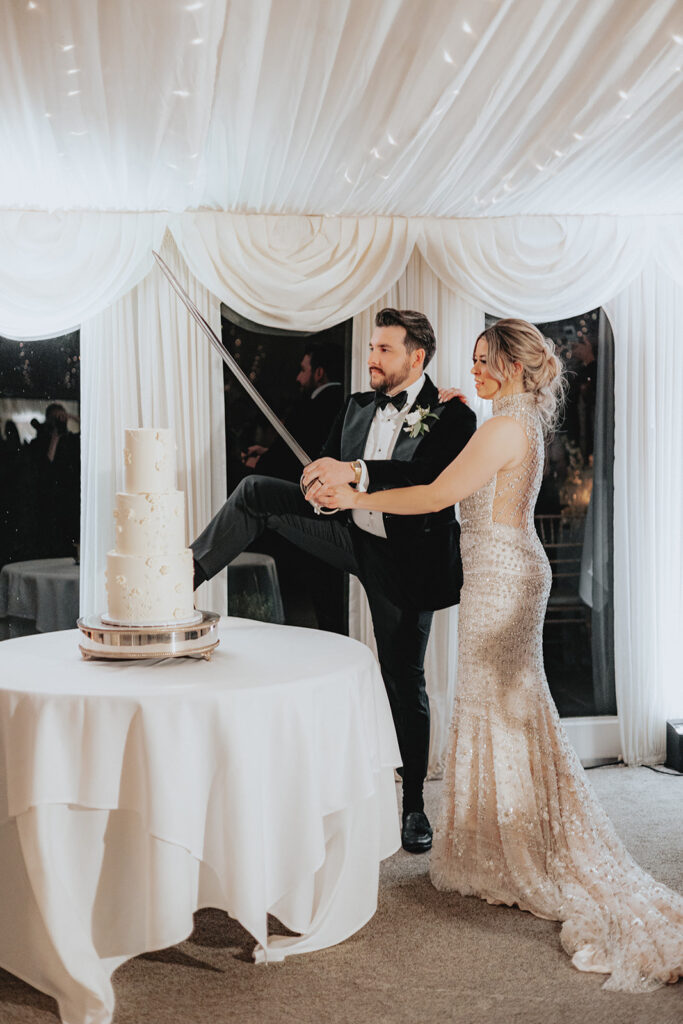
(418, 847)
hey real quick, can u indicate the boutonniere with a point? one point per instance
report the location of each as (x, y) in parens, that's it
(416, 421)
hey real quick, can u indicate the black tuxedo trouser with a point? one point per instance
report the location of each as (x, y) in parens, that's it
(263, 503)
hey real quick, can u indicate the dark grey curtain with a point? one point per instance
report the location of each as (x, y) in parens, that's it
(602, 516)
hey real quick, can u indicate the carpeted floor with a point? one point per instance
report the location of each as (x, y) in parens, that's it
(425, 958)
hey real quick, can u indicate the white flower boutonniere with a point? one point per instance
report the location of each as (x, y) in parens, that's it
(416, 421)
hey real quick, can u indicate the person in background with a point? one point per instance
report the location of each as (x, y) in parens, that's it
(55, 467)
(322, 396)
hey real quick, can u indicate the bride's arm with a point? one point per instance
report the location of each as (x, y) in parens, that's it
(498, 444)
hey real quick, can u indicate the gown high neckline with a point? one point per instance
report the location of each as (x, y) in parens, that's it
(510, 401)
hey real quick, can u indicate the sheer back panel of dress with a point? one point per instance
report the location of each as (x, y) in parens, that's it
(516, 490)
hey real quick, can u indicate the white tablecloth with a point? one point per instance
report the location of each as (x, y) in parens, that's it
(44, 589)
(133, 793)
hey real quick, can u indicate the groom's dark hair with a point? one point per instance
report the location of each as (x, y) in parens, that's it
(419, 331)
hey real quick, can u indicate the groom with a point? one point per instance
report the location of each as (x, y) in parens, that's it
(396, 435)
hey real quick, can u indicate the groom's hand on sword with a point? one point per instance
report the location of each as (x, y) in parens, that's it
(321, 475)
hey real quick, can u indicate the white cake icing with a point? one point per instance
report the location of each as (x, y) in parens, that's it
(149, 461)
(150, 524)
(149, 574)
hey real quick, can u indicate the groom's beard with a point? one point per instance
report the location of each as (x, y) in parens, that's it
(385, 383)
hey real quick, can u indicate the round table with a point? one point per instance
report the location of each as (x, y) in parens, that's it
(44, 589)
(134, 793)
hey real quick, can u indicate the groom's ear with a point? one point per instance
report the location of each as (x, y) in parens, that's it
(418, 358)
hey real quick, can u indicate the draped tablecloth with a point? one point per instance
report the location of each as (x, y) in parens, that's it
(133, 793)
(44, 589)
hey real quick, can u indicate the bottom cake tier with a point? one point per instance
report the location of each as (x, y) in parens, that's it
(150, 591)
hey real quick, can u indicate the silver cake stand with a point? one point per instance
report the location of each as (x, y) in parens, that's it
(102, 639)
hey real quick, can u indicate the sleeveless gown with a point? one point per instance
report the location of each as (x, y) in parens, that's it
(519, 823)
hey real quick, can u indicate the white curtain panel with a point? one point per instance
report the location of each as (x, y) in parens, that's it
(57, 270)
(648, 511)
(145, 364)
(456, 324)
(303, 273)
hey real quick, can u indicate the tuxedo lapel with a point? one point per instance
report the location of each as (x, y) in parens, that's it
(356, 428)
(406, 445)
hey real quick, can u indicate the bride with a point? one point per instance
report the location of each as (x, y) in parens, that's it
(519, 823)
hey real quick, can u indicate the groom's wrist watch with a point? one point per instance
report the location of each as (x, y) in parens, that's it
(357, 467)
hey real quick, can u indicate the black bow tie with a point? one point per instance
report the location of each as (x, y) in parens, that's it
(382, 400)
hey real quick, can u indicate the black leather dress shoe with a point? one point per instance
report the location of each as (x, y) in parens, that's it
(416, 834)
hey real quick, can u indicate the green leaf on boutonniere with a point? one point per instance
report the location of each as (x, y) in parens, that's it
(416, 421)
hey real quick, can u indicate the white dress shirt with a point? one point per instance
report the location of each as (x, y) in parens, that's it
(384, 432)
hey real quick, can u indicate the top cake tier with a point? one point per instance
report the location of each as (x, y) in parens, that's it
(149, 461)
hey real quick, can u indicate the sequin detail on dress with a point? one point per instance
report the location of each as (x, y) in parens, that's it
(519, 823)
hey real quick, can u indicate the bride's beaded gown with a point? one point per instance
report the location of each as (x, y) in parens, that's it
(519, 823)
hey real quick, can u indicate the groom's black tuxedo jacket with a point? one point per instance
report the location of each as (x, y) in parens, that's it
(418, 566)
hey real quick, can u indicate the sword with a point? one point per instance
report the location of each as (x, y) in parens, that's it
(237, 370)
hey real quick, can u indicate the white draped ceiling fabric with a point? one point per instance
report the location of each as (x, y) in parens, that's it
(311, 160)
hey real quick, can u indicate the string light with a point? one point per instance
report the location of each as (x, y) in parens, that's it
(73, 71)
(447, 57)
(197, 42)
(577, 135)
(624, 95)
(375, 152)
(558, 152)
(346, 177)
(78, 133)
(74, 92)
(193, 7)
(466, 27)
(67, 47)
(677, 39)
(48, 114)
(392, 140)
(31, 6)
(181, 92)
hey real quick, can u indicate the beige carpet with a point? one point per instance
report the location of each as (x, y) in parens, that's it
(425, 957)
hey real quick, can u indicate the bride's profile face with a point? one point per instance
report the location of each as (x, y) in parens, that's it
(486, 385)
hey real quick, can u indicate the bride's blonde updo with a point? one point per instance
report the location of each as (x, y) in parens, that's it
(513, 341)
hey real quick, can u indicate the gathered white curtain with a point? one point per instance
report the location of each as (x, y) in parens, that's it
(303, 272)
(58, 270)
(445, 108)
(456, 324)
(538, 268)
(648, 510)
(145, 364)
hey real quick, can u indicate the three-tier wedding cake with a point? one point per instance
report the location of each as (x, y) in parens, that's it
(149, 574)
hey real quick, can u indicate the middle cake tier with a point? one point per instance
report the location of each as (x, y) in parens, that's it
(150, 524)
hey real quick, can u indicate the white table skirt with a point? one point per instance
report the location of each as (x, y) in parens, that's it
(133, 793)
(44, 589)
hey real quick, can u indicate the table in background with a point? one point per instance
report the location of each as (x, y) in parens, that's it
(134, 793)
(47, 590)
(254, 588)
(44, 589)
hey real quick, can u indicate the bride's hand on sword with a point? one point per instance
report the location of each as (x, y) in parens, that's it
(336, 496)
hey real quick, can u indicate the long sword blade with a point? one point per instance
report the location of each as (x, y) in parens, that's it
(232, 365)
